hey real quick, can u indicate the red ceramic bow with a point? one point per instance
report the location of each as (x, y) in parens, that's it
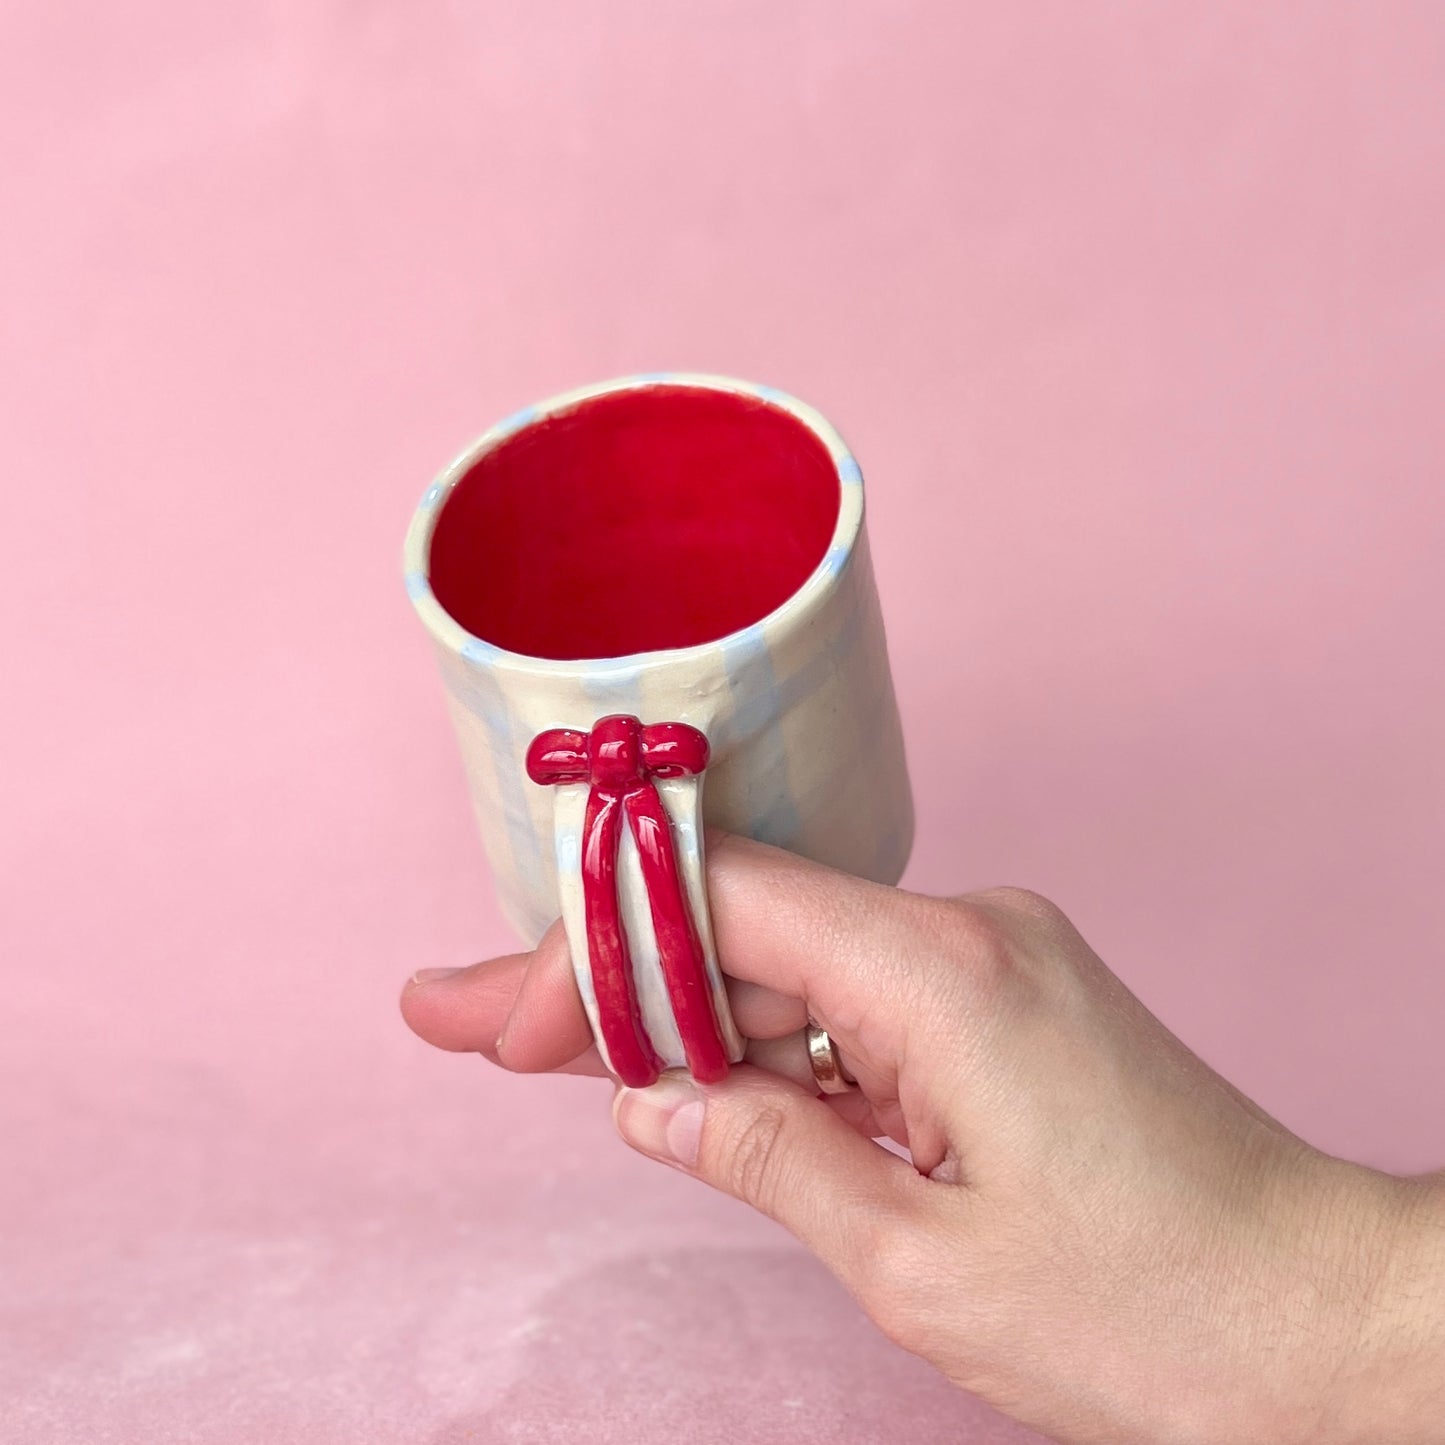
(619, 758)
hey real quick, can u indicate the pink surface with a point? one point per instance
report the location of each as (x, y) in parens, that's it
(1135, 316)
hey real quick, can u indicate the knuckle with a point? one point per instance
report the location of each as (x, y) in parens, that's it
(1014, 935)
(1024, 903)
(756, 1157)
(983, 950)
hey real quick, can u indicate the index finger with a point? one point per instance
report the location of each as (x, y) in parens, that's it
(852, 950)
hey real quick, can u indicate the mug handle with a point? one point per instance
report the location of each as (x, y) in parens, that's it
(634, 902)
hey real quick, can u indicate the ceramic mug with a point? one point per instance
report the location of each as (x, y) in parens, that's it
(633, 588)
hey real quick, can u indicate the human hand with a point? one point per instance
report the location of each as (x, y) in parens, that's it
(1097, 1233)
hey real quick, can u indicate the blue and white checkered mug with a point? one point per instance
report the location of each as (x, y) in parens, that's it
(636, 589)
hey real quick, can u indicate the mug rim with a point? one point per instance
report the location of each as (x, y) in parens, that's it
(445, 629)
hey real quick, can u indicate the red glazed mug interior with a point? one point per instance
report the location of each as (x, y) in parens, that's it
(652, 518)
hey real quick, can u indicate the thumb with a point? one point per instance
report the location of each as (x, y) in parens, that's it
(764, 1141)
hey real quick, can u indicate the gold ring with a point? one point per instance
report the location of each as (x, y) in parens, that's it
(828, 1070)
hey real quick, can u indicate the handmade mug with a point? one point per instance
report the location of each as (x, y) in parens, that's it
(633, 587)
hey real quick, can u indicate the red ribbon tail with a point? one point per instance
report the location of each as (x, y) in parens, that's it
(619, 1013)
(678, 946)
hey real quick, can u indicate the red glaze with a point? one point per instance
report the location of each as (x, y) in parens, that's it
(620, 758)
(656, 517)
(618, 1010)
(678, 947)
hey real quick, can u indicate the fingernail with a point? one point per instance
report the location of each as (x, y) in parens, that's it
(431, 975)
(502, 1037)
(664, 1120)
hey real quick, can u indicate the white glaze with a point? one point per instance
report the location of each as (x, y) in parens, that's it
(799, 711)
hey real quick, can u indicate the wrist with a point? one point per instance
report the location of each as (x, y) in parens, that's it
(1389, 1371)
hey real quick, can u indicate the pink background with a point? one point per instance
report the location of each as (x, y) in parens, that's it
(1135, 315)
